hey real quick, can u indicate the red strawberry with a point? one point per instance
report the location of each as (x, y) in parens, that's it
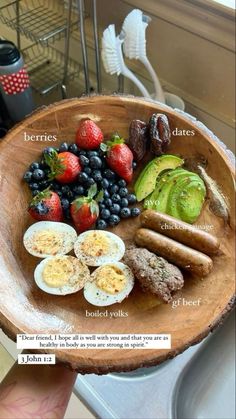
(46, 206)
(88, 136)
(85, 210)
(65, 166)
(119, 157)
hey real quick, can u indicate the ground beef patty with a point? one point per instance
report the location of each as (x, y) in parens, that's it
(154, 273)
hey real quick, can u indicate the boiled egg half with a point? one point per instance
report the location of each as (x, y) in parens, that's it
(96, 247)
(111, 283)
(61, 275)
(49, 238)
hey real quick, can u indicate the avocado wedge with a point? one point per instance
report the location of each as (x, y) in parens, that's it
(146, 182)
(159, 197)
(186, 198)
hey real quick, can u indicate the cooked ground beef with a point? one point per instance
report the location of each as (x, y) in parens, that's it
(154, 273)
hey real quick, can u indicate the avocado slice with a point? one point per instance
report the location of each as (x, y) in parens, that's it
(146, 182)
(157, 200)
(190, 207)
(159, 197)
(162, 199)
(186, 198)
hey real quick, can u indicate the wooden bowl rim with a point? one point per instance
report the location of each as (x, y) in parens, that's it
(11, 330)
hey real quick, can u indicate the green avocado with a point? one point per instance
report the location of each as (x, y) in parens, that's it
(146, 182)
(159, 197)
(186, 198)
(163, 181)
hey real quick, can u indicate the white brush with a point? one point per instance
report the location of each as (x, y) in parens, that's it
(113, 60)
(134, 27)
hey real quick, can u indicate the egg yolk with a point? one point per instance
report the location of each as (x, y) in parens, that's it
(57, 272)
(110, 279)
(95, 245)
(47, 241)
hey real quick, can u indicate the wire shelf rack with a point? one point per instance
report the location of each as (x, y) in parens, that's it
(39, 20)
(46, 67)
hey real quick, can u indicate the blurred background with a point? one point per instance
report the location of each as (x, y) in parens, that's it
(190, 44)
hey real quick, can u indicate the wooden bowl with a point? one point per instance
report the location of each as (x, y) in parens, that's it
(27, 309)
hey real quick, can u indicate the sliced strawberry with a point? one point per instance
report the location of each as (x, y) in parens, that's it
(46, 206)
(65, 166)
(119, 157)
(85, 210)
(88, 136)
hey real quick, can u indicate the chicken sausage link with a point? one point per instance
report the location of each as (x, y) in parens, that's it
(183, 256)
(179, 230)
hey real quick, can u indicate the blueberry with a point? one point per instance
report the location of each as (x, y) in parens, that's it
(95, 162)
(48, 150)
(105, 183)
(63, 147)
(106, 194)
(43, 165)
(108, 202)
(134, 164)
(135, 212)
(115, 198)
(54, 185)
(100, 153)
(35, 192)
(59, 193)
(35, 165)
(113, 220)
(92, 153)
(87, 170)
(78, 190)
(65, 204)
(27, 176)
(44, 184)
(131, 198)
(90, 182)
(101, 224)
(82, 153)
(111, 182)
(125, 212)
(82, 177)
(65, 189)
(115, 209)
(38, 174)
(97, 175)
(84, 160)
(114, 188)
(123, 192)
(41, 208)
(109, 174)
(73, 148)
(70, 196)
(105, 213)
(124, 202)
(122, 183)
(101, 205)
(33, 186)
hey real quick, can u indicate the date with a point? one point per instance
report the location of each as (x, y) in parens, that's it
(160, 134)
(138, 138)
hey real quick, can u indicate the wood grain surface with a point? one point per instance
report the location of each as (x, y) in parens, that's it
(25, 308)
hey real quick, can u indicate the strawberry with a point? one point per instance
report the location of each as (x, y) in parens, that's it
(85, 210)
(65, 166)
(88, 136)
(46, 206)
(119, 157)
